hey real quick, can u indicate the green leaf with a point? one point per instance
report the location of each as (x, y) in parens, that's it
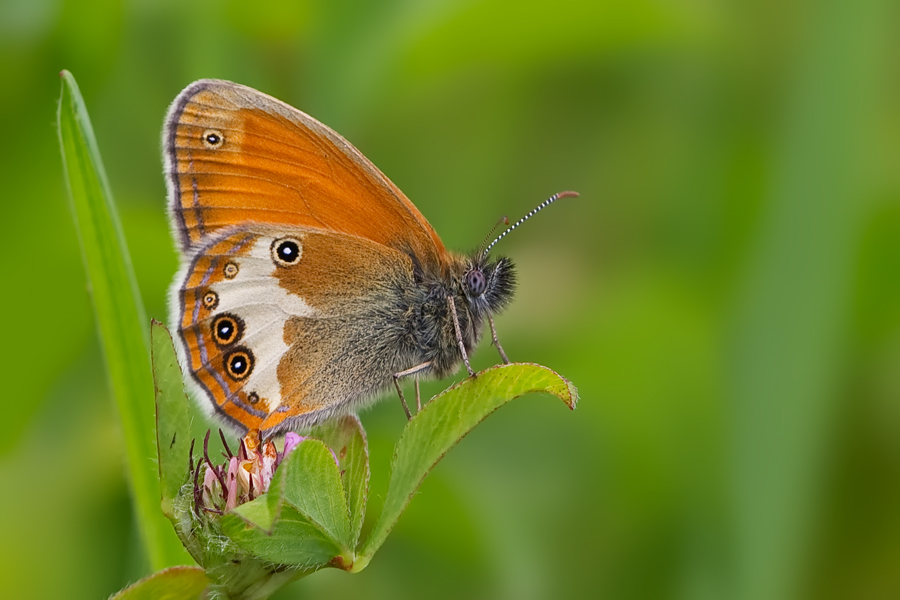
(120, 317)
(261, 512)
(173, 421)
(293, 540)
(347, 438)
(303, 520)
(310, 481)
(175, 583)
(445, 420)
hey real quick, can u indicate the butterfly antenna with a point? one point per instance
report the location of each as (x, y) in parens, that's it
(537, 209)
(504, 221)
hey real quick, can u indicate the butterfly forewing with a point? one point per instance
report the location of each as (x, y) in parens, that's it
(237, 156)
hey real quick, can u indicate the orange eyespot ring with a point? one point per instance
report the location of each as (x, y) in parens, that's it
(210, 300)
(239, 363)
(227, 329)
(230, 271)
(286, 251)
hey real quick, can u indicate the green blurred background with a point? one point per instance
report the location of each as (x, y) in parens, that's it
(725, 292)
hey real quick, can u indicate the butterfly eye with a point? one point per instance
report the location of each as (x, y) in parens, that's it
(230, 271)
(476, 282)
(227, 329)
(210, 300)
(239, 363)
(213, 138)
(285, 252)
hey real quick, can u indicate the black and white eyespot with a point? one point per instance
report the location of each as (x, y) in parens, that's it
(210, 300)
(230, 271)
(239, 363)
(286, 251)
(213, 139)
(253, 398)
(476, 282)
(227, 329)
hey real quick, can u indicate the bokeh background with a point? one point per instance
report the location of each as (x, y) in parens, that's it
(725, 292)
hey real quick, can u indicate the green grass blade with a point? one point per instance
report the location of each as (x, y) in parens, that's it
(120, 315)
(447, 419)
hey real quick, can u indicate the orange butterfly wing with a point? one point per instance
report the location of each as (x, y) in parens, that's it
(235, 155)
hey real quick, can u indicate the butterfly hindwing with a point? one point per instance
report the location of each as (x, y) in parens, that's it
(278, 325)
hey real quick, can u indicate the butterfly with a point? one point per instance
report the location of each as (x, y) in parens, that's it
(309, 284)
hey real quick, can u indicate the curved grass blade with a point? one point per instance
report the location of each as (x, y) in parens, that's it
(120, 317)
(447, 419)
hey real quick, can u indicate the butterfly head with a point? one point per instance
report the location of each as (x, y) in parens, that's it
(489, 283)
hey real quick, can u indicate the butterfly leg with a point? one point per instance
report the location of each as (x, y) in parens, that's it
(407, 373)
(496, 341)
(459, 339)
